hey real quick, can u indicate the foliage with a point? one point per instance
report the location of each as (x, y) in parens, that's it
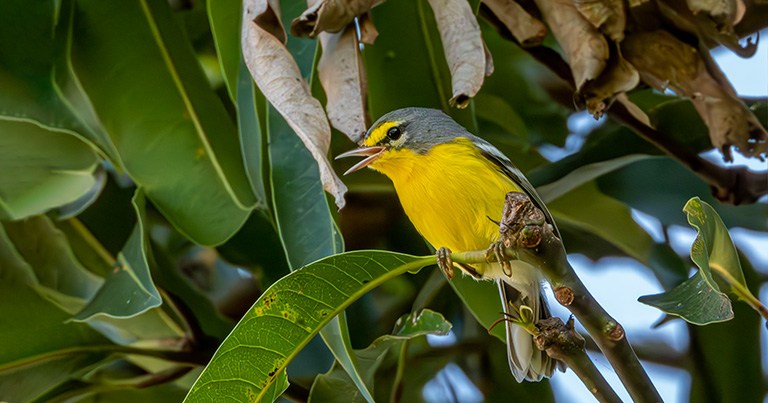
(152, 193)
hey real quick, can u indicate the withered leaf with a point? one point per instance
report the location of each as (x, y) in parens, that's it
(329, 16)
(526, 29)
(666, 62)
(278, 77)
(585, 47)
(712, 30)
(607, 15)
(618, 77)
(341, 73)
(463, 45)
(368, 31)
(721, 11)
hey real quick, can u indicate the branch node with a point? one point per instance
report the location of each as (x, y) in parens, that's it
(564, 296)
(614, 330)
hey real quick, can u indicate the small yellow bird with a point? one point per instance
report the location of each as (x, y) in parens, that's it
(452, 186)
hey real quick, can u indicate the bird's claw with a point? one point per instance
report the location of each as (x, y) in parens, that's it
(496, 252)
(444, 262)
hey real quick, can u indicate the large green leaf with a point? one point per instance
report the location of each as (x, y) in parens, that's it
(659, 186)
(224, 17)
(717, 354)
(43, 252)
(336, 386)
(128, 290)
(40, 345)
(42, 169)
(302, 214)
(588, 209)
(699, 299)
(286, 317)
(173, 135)
(29, 48)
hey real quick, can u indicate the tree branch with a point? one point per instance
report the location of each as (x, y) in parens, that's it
(733, 185)
(531, 240)
(561, 342)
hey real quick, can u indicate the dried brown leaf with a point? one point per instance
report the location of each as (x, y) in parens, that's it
(329, 16)
(585, 47)
(618, 77)
(526, 29)
(463, 46)
(607, 15)
(634, 110)
(341, 73)
(278, 77)
(666, 62)
(368, 31)
(711, 29)
(722, 11)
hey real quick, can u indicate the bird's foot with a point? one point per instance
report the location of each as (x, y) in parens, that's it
(444, 262)
(497, 252)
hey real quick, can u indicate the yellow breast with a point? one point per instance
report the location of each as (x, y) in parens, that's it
(450, 193)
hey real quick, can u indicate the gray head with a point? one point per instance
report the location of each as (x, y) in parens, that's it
(418, 129)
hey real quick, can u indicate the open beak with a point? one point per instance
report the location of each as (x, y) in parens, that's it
(371, 154)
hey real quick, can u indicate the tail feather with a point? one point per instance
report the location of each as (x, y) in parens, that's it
(526, 361)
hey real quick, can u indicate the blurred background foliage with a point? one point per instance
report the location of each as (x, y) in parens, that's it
(149, 195)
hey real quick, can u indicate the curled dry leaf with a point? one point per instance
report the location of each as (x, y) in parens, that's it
(721, 11)
(585, 47)
(618, 77)
(278, 77)
(711, 30)
(342, 76)
(329, 16)
(463, 46)
(368, 31)
(607, 15)
(526, 29)
(666, 62)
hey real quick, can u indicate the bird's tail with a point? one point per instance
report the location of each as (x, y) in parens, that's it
(526, 361)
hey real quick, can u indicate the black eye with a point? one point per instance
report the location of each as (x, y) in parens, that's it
(394, 133)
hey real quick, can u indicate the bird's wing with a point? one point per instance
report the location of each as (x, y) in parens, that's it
(509, 169)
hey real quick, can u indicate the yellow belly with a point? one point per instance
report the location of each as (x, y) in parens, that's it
(450, 193)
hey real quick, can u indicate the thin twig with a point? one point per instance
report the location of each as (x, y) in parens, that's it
(561, 342)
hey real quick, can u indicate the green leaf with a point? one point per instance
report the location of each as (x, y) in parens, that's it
(713, 248)
(699, 300)
(728, 348)
(304, 221)
(49, 169)
(40, 347)
(249, 126)
(129, 290)
(286, 317)
(483, 301)
(584, 174)
(40, 252)
(30, 46)
(694, 300)
(173, 135)
(224, 18)
(587, 209)
(657, 186)
(336, 386)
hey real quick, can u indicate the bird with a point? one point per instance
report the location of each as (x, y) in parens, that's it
(452, 186)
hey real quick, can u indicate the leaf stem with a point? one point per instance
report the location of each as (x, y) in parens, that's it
(397, 384)
(741, 291)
